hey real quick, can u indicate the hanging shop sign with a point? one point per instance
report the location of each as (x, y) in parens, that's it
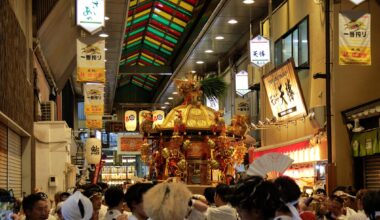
(259, 50)
(93, 98)
(129, 144)
(354, 38)
(90, 15)
(90, 62)
(241, 83)
(94, 121)
(158, 117)
(357, 2)
(130, 119)
(93, 150)
(142, 115)
(284, 92)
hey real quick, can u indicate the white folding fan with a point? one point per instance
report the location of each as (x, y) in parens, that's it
(268, 163)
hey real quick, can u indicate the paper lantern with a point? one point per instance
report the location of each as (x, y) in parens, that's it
(158, 117)
(93, 150)
(130, 118)
(141, 115)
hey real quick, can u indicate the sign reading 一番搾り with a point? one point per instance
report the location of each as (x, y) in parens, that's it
(284, 92)
(90, 62)
(354, 38)
(93, 98)
(259, 50)
(90, 15)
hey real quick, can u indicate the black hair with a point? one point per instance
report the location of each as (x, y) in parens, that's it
(371, 203)
(224, 192)
(209, 193)
(257, 195)
(288, 188)
(337, 199)
(29, 201)
(103, 185)
(6, 196)
(90, 189)
(64, 194)
(135, 193)
(320, 191)
(113, 196)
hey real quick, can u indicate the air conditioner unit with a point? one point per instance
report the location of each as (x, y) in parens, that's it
(48, 110)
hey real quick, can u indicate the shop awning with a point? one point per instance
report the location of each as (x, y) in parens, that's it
(282, 149)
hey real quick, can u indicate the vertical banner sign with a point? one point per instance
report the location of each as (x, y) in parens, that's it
(90, 62)
(259, 50)
(130, 118)
(93, 98)
(354, 38)
(94, 121)
(158, 117)
(90, 15)
(284, 92)
(93, 150)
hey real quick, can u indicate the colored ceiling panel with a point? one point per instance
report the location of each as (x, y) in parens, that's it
(153, 30)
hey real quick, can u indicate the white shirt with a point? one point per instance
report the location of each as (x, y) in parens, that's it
(360, 215)
(225, 212)
(112, 214)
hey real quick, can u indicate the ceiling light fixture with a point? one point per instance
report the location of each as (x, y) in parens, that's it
(219, 38)
(170, 98)
(248, 2)
(193, 71)
(232, 21)
(106, 18)
(209, 51)
(199, 62)
(175, 93)
(105, 49)
(167, 103)
(104, 35)
(105, 60)
(163, 107)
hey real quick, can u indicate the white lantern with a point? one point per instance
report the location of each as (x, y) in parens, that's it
(158, 117)
(93, 150)
(130, 118)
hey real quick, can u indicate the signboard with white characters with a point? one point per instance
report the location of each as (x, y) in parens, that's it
(90, 15)
(259, 50)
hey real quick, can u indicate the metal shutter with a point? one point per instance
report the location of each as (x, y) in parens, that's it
(3, 156)
(372, 172)
(14, 163)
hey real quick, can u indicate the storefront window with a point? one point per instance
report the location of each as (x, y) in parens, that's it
(294, 44)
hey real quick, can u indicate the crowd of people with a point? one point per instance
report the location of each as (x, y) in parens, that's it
(250, 199)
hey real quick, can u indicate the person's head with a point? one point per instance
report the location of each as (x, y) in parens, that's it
(209, 193)
(359, 198)
(256, 198)
(347, 193)
(371, 204)
(94, 193)
(336, 206)
(64, 196)
(288, 188)
(320, 192)
(57, 197)
(114, 197)
(134, 198)
(167, 201)
(77, 207)
(103, 185)
(36, 206)
(222, 194)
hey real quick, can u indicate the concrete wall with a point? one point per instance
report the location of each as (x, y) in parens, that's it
(284, 19)
(352, 85)
(42, 83)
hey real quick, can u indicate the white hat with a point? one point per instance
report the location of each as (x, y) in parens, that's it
(77, 207)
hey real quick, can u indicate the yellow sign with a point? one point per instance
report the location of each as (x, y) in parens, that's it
(284, 92)
(158, 117)
(93, 98)
(130, 118)
(94, 121)
(354, 38)
(142, 115)
(90, 62)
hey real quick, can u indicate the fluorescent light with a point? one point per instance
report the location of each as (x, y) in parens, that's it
(209, 51)
(104, 35)
(199, 62)
(163, 107)
(105, 60)
(167, 103)
(175, 93)
(248, 2)
(219, 38)
(170, 98)
(232, 21)
(105, 49)
(193, 71)
(106, 18)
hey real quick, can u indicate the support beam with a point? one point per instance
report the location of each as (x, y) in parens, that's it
(159, 70)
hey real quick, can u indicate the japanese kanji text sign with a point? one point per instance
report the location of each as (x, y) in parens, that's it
(90, 62)
(354, 38)
(284, 92)
(90, 14)
(259, 50)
